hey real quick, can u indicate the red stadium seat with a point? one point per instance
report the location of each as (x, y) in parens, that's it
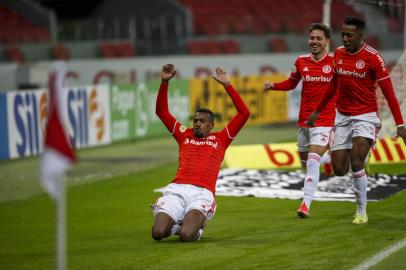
(230, 46)
(14, 54)
(373, 41)
(60, 52)
(125, 49)
(107, 50)
(278, 44)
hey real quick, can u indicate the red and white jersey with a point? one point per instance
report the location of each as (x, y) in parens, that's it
(200, 158)
(316, 77)
(357, 76)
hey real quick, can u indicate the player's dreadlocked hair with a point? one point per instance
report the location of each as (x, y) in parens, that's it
(356, 21)
(322, 27)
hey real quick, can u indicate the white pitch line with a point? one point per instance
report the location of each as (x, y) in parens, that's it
(381, 255)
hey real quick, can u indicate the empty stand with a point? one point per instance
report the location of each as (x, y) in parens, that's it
(261, 16)
(16, 29)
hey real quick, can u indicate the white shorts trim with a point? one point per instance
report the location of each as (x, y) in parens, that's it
(178, 199)
(348, 127)
(313, 136)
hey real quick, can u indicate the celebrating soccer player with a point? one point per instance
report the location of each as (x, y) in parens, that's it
(357, 68)
(315, 70)
(189, 201)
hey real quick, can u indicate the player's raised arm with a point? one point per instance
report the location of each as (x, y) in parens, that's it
(243, 113)
(162, 109)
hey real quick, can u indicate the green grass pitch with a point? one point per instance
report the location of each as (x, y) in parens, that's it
(109, 221)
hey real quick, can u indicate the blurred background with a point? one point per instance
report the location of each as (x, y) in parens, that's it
(36, 32)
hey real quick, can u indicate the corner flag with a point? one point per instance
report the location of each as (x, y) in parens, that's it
(58, 153)
(57, 157)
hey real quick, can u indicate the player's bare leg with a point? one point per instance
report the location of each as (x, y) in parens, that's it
(340, 160)
(192, 223)
(162, 227)
(312, 177)
(358, 154)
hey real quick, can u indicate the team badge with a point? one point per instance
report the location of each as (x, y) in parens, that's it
(182, 128)
(326, 69)
(360, 64)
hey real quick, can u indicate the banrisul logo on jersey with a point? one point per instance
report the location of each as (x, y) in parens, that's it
(26, 113)
(87, 115)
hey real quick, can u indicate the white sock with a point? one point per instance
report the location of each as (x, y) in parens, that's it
(326, 158)
(175, 229)
(312, 178)
(360, 187)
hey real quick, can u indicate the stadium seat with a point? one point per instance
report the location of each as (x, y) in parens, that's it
(17, 29)
(107, 50)
(373, 41)
(124, 49)
(229, 46)
(278, 44)
(261, 16)
(60, 52)
(194, 47)
(14, 54)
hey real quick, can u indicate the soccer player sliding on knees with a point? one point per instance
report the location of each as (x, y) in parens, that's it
(189, 201)
(357, 68)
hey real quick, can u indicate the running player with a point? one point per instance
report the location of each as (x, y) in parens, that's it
(189, 201)
(357, 68)
(315, 70)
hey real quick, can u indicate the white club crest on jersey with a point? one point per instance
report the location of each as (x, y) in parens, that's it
(182, 129)
(326, 69)
(360, 64)
(306, 69)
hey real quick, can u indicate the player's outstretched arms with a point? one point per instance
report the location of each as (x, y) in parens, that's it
(312, 118)
(269, 86)
(168, 72)
(401, 132)
(243, 112)
(162, 108)
(222, 77)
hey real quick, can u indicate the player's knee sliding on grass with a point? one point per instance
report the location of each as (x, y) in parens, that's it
(189, 201)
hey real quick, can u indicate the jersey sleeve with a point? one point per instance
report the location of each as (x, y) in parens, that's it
(291, 82)
(162, 110)
(242, 116)
(379, 67)
(389, 93)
